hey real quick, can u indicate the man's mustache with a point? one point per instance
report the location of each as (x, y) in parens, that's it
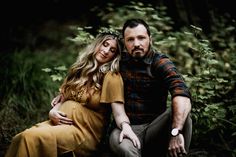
(137, 48)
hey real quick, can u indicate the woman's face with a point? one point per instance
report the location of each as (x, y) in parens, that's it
(106, 51)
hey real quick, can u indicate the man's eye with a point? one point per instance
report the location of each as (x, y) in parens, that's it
(142, 38)
(129, 40)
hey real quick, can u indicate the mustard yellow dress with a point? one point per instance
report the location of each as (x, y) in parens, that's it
(83, 137)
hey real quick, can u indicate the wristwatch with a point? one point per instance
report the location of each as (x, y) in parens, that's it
(175, 132)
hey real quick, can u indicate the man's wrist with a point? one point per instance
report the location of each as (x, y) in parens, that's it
(175, 132)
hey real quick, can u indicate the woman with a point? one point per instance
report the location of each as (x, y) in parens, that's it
(78, 117)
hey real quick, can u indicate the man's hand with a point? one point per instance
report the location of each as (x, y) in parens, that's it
(127, 132)
(57, 100)
(176, 146)
(58, 117)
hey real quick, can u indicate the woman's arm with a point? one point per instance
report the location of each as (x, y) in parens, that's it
(122, 122)
(119, 114)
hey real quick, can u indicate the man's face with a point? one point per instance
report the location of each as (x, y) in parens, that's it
(137, 41)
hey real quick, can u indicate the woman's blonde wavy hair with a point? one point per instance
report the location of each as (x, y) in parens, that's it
(86, 69)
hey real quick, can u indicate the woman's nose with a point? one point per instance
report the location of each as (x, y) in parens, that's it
(106, 50)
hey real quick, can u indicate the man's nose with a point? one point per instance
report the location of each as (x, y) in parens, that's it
(136, 42)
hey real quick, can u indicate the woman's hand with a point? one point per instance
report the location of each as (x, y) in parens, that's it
(57, 117)
(127, 132)
(122, 122)
(57, 99)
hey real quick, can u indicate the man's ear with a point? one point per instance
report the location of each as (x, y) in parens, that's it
(150, 40)
(123, 45)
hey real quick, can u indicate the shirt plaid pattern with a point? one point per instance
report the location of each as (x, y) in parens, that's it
(146, 85)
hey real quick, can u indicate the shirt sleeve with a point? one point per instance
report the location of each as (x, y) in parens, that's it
(112, 88)
(171, 77)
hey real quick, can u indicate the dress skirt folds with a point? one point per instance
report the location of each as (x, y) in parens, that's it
(82, 138)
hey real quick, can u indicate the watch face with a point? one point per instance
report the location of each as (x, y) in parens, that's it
(174, 132)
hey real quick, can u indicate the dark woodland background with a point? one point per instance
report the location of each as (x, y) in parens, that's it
(198, 35)
(18, 17)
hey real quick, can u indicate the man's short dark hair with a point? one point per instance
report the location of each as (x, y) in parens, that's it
(134, 23)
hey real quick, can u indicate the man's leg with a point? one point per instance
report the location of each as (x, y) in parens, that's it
(156, 139)
(123, 149)
(126, 147)
(187, 132)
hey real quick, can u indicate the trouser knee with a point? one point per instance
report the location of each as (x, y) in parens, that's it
(123, 149)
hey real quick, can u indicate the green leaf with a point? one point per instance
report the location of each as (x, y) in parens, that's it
(61, 68)
(56, 77)
(46, 69)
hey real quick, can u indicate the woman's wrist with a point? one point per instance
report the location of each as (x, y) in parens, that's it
(124, 123)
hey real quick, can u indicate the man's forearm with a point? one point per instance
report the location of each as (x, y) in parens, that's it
(181, 107)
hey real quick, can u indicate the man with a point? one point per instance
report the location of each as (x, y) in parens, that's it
(148, 77)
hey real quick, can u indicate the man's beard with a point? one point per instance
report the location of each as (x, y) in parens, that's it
(140, 54)
(137, 55)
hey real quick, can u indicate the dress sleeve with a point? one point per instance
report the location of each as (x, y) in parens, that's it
(112, 88)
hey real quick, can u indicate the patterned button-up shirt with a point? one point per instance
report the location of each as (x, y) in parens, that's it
(147, 83)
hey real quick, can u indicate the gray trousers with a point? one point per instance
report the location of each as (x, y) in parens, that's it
(154, 138)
